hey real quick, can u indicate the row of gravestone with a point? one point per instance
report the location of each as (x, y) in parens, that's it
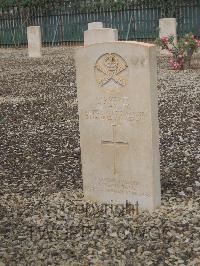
(118, 119)
(95, 34)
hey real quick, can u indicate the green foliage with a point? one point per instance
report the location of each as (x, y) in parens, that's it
(23, 3)
(168, 7)
(7, 3)
(182, 51)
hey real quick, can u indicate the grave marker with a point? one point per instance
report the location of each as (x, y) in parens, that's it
(34, 41)
(167, 27)
(118, 116)
(97, 34)
(95, 25)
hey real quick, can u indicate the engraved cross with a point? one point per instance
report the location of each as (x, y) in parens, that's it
(114, 143)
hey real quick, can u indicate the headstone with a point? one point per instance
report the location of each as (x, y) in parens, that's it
(95, 25)
(118, 116)
(167, 27)
(97, 34)
(34, 41)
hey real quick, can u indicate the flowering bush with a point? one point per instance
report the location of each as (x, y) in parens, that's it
(182, 51)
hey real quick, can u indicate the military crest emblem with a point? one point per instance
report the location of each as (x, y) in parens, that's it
(109, 70)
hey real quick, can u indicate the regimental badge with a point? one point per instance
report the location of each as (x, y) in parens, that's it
(109, 68)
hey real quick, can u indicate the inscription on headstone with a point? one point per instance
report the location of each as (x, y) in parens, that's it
(114, 143)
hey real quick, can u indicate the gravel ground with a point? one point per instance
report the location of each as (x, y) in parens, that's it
(43, 219)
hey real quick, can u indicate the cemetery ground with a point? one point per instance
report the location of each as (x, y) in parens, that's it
(43, 218)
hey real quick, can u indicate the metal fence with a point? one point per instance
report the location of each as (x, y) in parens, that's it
(64, 25)
(188, 19)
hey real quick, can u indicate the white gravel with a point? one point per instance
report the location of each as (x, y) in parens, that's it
(43, 219)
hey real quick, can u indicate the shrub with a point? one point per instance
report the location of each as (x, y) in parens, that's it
(181, 52)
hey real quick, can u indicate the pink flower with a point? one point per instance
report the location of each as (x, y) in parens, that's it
(164, 39)
(197, 42)
(186, 43)
(176, 65)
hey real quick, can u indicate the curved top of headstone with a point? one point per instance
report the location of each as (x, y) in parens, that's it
(141, 44)
(35, 27)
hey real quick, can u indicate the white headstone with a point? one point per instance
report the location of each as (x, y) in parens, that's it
(118, 116)
(34, 41)
(97, 34)
(95, 25)
(167, 27)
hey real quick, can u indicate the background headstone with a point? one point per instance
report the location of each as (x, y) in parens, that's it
(34, 41)
(118, 116)
(95, 25)
(97, 34)
(167, 27)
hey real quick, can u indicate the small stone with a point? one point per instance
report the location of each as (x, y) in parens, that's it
(190, 189)
(181, 139)
(77, 150)
(182, 193)
(197, 183)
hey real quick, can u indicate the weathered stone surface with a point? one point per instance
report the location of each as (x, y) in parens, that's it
(34, 41)
(167, 26)
(95, 25)
(99, 35)
(118, 123)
